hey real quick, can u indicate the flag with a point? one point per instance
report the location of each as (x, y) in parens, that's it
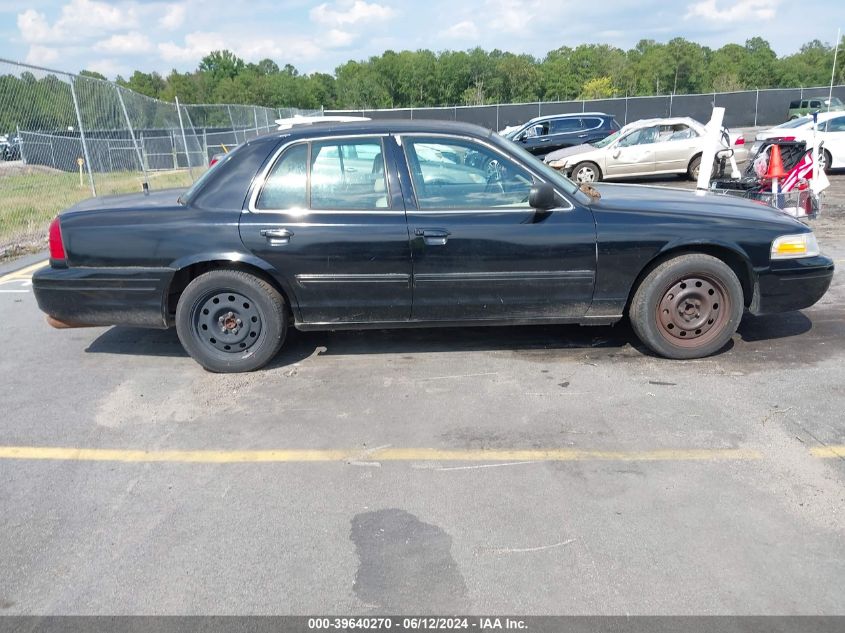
(804, 169)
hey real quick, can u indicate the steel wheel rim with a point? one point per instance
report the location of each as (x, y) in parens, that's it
(823, 161)
(693, 310)
(227, 322)
(585, 174)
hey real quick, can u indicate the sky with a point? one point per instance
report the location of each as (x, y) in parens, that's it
(159, 35)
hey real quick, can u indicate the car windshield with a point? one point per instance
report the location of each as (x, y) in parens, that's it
(795, 123)
(607, 140)
(833, 102)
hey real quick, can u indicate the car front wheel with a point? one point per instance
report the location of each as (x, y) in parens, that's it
(230, 321)
(586, 172)
(687, 307)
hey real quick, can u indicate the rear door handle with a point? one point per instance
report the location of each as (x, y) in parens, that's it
(277, 236)
(433, 237)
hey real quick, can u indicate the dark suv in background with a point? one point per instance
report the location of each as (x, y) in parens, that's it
(546, 134)
(10, 147)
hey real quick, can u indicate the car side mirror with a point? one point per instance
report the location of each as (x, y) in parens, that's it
(542, 197)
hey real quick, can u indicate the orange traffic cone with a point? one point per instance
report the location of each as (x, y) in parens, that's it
(776, 169)
(775, 173)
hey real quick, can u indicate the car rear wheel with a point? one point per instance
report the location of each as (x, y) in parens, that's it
(230, 321)
(586, 172)
(824, 160)
(687, 307)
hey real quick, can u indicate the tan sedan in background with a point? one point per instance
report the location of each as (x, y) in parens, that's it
(643, 148)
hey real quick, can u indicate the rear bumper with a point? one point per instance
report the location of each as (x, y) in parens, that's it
(104, 296)
(792, 284)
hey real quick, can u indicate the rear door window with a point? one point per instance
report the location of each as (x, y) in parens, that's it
(339, 176)
(563, 126)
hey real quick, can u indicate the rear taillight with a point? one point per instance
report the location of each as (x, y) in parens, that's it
(213, 161)
(740, 141)
(57, 248)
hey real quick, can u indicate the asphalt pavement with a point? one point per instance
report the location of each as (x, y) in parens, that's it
(525, 470)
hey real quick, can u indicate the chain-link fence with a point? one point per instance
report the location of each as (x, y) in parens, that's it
(742, 109)
(65, 137)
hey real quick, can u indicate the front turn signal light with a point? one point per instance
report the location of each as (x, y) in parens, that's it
(793, 246)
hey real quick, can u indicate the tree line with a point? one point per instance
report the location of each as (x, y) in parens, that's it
(477, 77)
(420, 78)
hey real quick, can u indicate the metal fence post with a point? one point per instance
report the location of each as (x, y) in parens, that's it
(23, 155)
(184, 139)
(756, 104)
(82, 137)
(255, 118)
(146, 182)
(232, 122)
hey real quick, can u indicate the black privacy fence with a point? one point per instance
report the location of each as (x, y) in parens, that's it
(749, 108)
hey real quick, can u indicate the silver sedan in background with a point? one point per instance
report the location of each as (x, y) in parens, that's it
(643, 148)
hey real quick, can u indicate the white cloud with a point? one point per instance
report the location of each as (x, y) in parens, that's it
(512, 16)
(41, 55)
(199, 44)
(173, 18)
(347, 12)
(335, 38)
(108, 67)
(33, 26)
(79, 20)
(462, 31)
(733, 10)
(126, 44)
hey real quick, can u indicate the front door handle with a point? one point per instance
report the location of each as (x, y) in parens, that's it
(433, 237)
(277, 236)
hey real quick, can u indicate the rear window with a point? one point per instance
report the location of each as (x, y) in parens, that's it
(794, 104)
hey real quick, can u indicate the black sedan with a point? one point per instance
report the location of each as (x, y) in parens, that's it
(405, 224)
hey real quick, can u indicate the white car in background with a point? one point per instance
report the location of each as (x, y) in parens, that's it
(830, 130)
(643, 148)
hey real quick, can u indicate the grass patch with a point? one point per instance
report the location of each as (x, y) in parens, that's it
(31, 199)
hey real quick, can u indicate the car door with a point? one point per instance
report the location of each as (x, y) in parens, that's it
(834, 140)
(535, 138)
(592, 129)
(565, 132)
(479, 251)
(676, 145)
(632, 154)
(328, 216)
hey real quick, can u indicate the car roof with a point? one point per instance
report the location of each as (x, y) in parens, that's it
(381, 126)
(666, 121)
(565, 115)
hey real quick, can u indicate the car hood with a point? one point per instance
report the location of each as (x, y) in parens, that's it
(568, 151)
(154, 199)
(623, 197)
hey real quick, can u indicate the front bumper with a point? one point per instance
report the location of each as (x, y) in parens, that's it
(792, 284)
(104, 296)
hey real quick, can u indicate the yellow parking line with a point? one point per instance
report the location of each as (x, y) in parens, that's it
(384, 454)
(829, 452)
(23, 273)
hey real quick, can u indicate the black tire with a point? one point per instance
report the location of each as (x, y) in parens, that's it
(693, 167)
(687, 307)
(825, 161)
(586, 171)
(230, 321)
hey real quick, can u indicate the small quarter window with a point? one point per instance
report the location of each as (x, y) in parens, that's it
(285, 187)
